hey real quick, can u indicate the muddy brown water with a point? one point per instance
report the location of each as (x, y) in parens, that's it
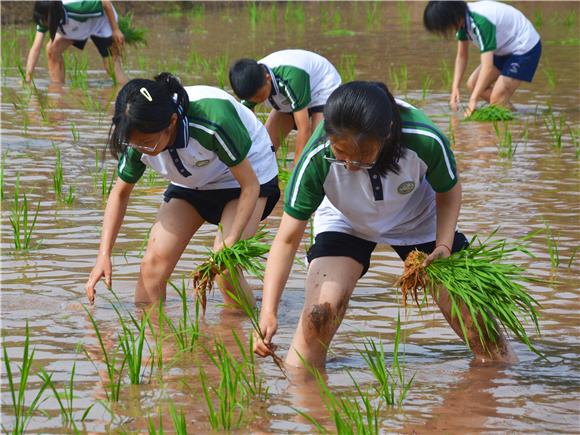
(539, 186)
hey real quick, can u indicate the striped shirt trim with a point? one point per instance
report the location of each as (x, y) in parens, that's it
(84, 14)
(439, 141)
(303, 167)
(289, 93)
(219, 138)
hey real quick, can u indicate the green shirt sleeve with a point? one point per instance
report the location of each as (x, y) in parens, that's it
(41, 29)
(305, 189)
(130, 167)
(295, 84)
(461, 34)
(215, 123)
(485, 33)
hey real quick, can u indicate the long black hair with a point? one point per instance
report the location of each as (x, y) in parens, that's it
(49, 14)
(444, 16)
(146, 106)
(368, 111)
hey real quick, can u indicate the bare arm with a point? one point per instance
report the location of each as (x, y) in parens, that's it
(448, 206)
(303, 132)
(458, 72)
(114, 215)
(278, 269)
(485, 78)
(33, 55)
(118, 37)
(244, 173)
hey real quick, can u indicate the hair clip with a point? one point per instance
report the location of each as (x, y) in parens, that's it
(146, 94)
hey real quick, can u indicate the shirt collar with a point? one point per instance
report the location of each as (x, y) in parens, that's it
(182, 135)
(275, 90)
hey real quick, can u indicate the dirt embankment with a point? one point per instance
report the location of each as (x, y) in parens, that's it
(20, 12)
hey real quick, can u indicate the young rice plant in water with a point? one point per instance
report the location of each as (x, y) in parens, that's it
(481, 279)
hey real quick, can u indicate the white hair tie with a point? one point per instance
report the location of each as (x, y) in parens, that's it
(146, 94)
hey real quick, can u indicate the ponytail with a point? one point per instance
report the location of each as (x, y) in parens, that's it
(146, 106)
(49, 14)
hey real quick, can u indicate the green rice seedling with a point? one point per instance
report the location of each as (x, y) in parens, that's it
(572, 256)
(2, 160)
(110, 359)
(22, 228)
(404, 13)
(77, 69)
(144, 244)
(133, 35)
(255, 383)
(294, 14)
(555, 126)
(372, 14)
(65, 399)
(231, 393)
(151, 426)
(506, 147)
(426, 83)
(178, 419)
(23, 413)
(570, 19)
(132, 345)
(491, 113)
(346, 67)
(197, 11)
(106, 185)
(186, 332)
(538, 18)
(349, 415)
(57, 176)
(553, 242)
(252, 8)
(221, 69)
(575, 137)
(479, 278)
(388, 381)
(159, 336)
(75, 132)
(445, 74)
(400, 78)
(550, 74)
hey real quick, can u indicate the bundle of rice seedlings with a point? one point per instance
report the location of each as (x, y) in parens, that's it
(133, 35)
(491, 113)
(245, 254)
(478, 277)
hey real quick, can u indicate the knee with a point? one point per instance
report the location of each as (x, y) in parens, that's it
(324, 318)
(153, 266)
(51, 51)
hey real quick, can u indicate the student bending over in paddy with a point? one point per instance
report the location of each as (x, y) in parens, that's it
(509, 45)
(295, 84)
(218, 158)
(376, 170)
(73, 22)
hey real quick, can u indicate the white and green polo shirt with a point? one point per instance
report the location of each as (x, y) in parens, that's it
(498, 27)
(84, 18)
(300, 79)
(398, 209)
(216, 134)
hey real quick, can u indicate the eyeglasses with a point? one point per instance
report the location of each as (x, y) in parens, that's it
(354, 163)
(145, 148)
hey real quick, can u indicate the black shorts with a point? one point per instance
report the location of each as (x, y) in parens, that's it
(103, 44)
(336, 244)
(311, 110)
(210, 204)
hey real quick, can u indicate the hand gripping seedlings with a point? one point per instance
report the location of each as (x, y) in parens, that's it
(477, 276)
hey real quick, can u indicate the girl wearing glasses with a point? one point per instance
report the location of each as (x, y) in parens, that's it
(218, 158)
(377, 170)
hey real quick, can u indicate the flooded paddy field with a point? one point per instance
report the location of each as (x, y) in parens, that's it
(523, 181)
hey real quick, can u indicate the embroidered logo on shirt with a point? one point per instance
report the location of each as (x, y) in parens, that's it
(201, 163)
(406, 187)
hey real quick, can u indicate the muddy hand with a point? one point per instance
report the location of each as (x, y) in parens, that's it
(103, 268)
(440, 251)
(268, 326)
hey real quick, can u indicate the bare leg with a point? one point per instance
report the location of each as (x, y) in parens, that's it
(279, 125)
(497, 350)
(227, 220)
(54, 51)
(329, 284)
(315, 120)
(176, 223)
(486, 94)
(503, 90)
